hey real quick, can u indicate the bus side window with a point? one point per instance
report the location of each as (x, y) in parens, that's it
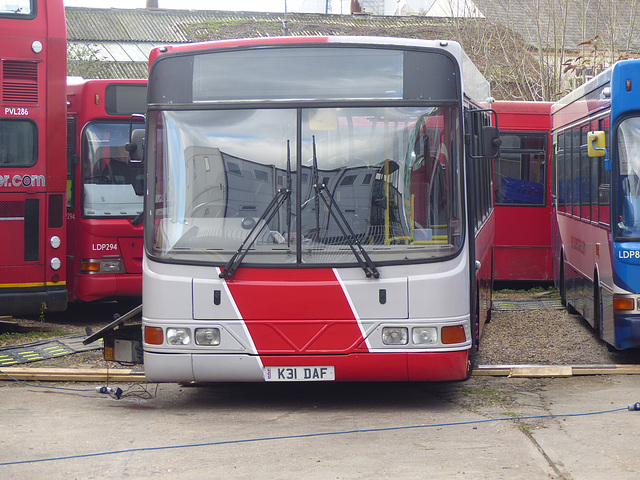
(72, 161)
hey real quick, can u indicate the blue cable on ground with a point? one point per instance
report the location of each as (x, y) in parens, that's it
(308, 435)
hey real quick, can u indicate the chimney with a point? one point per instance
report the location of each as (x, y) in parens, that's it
(152, 3)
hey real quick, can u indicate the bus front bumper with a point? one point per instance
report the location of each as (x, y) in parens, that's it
(400, 366)
(627, 331)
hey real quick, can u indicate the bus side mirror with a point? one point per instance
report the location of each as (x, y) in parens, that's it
(595, 144)
(135, 147)
(491, 141)
(596, 147)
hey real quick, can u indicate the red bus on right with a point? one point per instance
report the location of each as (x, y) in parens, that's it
(522, 250)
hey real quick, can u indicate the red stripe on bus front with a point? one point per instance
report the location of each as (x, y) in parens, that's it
(289, 311)
(289, 294)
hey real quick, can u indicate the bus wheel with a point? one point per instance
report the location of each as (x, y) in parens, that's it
(598, 312)
(475, 343)
(563, 292)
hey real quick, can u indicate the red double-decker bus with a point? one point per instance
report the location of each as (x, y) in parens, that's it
(522, 250)
(33, 58)
(105, 192)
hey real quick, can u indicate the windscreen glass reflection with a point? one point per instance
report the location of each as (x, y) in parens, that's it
(307, 186)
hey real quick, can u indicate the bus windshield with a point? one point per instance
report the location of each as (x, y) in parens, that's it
(303, 185)
(111, 186)
(628, 205)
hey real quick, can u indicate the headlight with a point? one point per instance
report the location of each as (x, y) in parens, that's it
(55, 263)
(178, 336)
(207, 336)
(424, 335)
(55, 241)
(395, 335)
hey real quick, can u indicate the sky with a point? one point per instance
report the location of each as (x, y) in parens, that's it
(232, 5)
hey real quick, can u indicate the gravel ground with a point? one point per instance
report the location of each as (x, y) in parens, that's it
(76, 319)
(544, 337)
(522, 337)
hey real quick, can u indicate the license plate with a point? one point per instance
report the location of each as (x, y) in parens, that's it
(299, 374)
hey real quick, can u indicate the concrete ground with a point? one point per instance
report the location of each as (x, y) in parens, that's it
(575, 428)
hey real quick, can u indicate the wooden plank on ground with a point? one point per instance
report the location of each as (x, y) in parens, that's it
(606, 370)
(491, 370)
(531, 371)
(554, 370)
(72, 374)
(137, 376)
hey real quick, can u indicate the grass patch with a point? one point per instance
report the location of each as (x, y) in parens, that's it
(539, 291)
(17, 338)
(486, 396)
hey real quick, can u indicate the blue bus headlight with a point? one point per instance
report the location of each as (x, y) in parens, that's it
(207, 336)
(178, 336)
(395, 335)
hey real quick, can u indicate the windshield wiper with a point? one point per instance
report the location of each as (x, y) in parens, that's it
(288, 220)
(322, 192)
(138, 219)
(284, 194)
(273, 207)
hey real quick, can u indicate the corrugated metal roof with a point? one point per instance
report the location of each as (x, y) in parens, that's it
(583, 21)
(173, 26)
(109, 69)
(125, 37)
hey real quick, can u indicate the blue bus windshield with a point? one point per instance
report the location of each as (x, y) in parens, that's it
(628, 205)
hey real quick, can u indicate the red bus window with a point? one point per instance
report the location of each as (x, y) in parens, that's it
(17, 143)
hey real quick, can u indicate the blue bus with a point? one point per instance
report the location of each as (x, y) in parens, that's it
(596, 199)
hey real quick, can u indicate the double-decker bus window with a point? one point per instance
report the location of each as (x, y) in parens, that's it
(17, 143)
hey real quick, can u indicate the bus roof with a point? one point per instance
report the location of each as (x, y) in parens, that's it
(475, 85)
(616, 82)
(596, 84)
(522, 107)
(523, 115)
